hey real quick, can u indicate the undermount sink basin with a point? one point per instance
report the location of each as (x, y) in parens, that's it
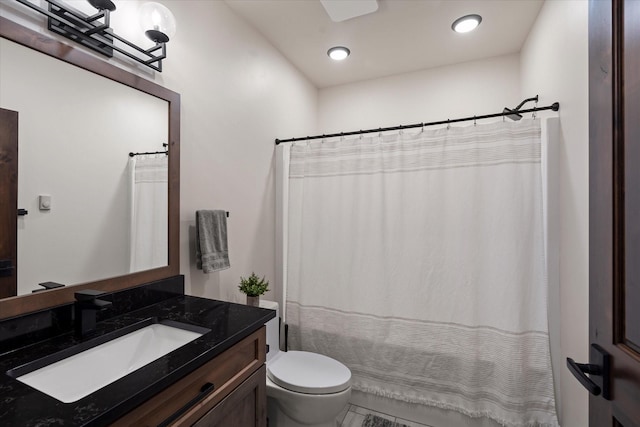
(69, 378)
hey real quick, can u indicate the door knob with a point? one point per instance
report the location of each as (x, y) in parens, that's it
(598, 380)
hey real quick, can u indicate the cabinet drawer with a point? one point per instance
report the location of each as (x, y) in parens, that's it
(246, 406)
(225, 372)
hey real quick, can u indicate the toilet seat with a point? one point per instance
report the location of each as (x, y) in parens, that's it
(309, 373)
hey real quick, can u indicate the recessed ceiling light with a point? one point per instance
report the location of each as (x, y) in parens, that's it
(338, 53)
(466, 23)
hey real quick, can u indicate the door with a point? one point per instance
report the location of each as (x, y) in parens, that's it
(614, 209)
(8, 202)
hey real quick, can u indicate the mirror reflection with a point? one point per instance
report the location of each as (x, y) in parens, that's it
(94, 212)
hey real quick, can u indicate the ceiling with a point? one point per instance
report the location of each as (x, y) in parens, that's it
(401, 36)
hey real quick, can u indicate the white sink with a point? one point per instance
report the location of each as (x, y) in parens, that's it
(77, 376)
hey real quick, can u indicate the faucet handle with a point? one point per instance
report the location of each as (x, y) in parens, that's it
(87, 294)
(47, 286)
(90, 297)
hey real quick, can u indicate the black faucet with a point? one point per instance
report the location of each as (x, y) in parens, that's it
(86, 308)
(47, 285)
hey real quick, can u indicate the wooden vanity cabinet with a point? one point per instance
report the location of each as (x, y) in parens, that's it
(229, 390)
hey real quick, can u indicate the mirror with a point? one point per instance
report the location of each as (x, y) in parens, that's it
(76, 130)
(79, 118)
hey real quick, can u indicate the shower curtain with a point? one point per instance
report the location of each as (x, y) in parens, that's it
(418, 261)
(148, 184)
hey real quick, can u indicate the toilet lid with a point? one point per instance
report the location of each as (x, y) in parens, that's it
(310, 373)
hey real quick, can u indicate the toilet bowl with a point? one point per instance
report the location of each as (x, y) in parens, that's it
(303, 388)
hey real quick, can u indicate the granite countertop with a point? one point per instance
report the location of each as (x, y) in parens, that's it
(23, 406)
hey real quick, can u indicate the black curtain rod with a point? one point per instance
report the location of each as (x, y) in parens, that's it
(164, 144)
(148, 152)
(506, 112)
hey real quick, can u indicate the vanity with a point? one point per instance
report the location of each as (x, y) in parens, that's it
(215, 376)
(215, 379)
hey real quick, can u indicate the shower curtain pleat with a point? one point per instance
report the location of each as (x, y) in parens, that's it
(149, 198)
(418, 261)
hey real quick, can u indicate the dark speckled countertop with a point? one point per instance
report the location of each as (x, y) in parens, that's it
(23, 406)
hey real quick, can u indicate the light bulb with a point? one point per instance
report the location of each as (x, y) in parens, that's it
(338, 53)
(466, 23)
(157, 21)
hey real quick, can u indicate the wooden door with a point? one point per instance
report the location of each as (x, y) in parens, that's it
(8, 202)
(614, 207)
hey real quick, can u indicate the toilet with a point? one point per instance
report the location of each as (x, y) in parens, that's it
(303, 388)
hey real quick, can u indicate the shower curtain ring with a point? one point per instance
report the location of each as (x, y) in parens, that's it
(474, 120)
(448, 124)
(422, 127)
(535, 107)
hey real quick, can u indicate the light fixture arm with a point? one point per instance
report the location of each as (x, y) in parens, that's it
(103, 14)
(95, 32)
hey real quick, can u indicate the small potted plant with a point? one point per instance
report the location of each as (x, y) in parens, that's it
(253, 286)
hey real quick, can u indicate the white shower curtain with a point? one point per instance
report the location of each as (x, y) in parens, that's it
(418, 261)
(149, 198)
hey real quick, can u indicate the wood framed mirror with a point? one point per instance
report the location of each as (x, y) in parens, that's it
(16, 305)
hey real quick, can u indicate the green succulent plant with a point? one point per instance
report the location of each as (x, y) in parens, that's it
(253, 286)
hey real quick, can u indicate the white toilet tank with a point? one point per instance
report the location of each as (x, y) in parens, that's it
(273, 328)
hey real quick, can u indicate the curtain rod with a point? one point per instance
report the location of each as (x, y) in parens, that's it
(148, 152)
(515, 114)
(166, 151)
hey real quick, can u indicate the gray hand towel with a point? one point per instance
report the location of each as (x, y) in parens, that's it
(212, 253)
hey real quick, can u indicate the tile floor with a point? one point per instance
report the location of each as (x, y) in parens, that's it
(353, 416)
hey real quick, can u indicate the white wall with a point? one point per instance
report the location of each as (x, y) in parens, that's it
(238, 95)
(554, 63)
(477, 87)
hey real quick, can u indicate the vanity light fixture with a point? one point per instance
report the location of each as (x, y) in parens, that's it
(338, 53)
(94, 31)
(157, 22)
(466, 23)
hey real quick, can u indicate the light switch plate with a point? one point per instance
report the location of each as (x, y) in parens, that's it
(45, 202)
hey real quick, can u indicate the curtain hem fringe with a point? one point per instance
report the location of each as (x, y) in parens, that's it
(449, 407)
